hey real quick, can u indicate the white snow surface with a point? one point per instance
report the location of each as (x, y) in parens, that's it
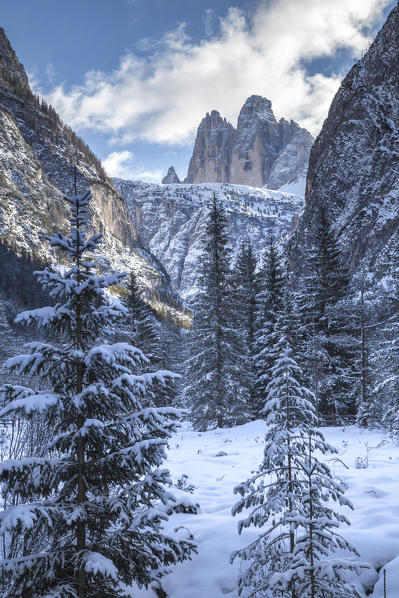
(296, 188)
(373, 490)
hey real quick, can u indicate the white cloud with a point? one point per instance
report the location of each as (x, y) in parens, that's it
(122, 165)
(162, 97)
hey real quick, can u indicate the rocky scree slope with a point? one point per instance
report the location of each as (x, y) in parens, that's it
(171, 220)
(37, 157)
(261, 151)
(354, 162)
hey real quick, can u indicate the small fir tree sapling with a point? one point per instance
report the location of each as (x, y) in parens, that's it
(288, 505)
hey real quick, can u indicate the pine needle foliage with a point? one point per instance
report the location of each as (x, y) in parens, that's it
(270, 324)
(90, 507)
(215, 391)
(329, 344)
(288, 499)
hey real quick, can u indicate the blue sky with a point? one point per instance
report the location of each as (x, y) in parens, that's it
(135, 77)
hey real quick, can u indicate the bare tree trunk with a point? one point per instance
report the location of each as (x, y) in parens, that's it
(363, 349)
(80, 444)
(311, 548)
(290, 476)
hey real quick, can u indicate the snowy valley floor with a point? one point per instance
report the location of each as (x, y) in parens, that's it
(374, 491)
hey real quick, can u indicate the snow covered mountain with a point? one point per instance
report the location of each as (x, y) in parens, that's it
(37, 154)
(354, 162)
(170, 220)
(261, 151)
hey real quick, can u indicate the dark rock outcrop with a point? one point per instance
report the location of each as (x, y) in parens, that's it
(354, 162)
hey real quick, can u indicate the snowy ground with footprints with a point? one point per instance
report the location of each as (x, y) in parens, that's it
(216, 461)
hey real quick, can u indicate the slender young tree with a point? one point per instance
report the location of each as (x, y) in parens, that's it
(143, 326)
(88, 521)
(328, 339)
(269, 320)
(245, 289)
(314, 571)
(214, 389)
(274, 501)
(286, 499)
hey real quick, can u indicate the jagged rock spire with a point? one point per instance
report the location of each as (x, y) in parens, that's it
(260, 151)
(171, 177)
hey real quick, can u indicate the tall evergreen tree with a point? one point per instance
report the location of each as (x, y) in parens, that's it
(88, 523)
(286, 499)
(214, 390)
(245, 287)
(143, 326)
(363, 312)
(269, 335)
(328, 338)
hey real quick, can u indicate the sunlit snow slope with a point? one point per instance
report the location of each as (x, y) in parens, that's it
(171, 219)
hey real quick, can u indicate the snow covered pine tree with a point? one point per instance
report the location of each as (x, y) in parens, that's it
(88, 523)
(142, 324)
(269, 320)
(245, 293)
(152, 338)
(215, 390)
(293, 555)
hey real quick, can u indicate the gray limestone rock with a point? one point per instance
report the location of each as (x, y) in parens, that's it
(260, 152)
(354, 162)
(171, 177)
(211, 157)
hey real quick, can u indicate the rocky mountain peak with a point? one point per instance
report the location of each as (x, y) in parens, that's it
(354, 162)
(259, 152)
(212, 150)
(214, 121)
(11, 70)
(37, 158)
(171, 177)
(256, 108)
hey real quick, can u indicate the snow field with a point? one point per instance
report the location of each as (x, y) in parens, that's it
(374, 492)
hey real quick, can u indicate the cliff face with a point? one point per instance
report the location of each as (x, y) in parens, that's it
(211, 157)
(171, 220)
(260, 152)
(37, 157)
(354, 162)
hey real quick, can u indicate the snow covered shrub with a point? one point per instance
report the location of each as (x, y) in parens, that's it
(88, 522)
(289, 499)
(183, 484)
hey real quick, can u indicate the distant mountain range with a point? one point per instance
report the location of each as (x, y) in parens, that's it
(157, 230)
